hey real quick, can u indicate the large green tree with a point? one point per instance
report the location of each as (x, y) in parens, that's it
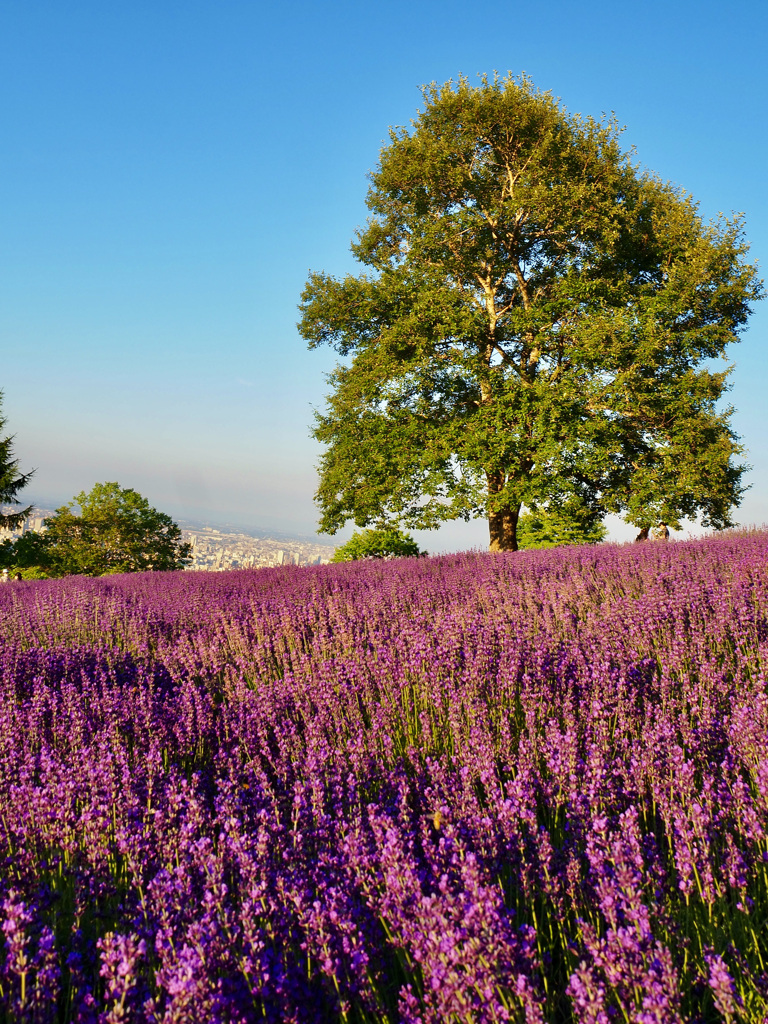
(114, 530)
(12, 480)
(538, 324)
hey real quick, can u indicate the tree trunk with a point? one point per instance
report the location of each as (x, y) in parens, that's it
(502, 524)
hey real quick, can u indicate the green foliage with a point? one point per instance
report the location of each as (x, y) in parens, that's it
(34, 572)
(12, 480)
(25, 552)
(536, 327)
(383, 543)
(116, 530)
(546, 528)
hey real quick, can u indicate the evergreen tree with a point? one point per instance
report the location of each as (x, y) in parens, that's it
(12, 480)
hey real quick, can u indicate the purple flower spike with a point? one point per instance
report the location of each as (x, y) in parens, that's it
(31, 974)
(124, 990)
(722, 986)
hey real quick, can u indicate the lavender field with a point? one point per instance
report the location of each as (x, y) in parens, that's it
(530, 787)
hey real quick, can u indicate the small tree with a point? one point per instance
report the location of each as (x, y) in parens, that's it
(27, 552)
(12, 480)
(385, 543)
(545, 528)
(116, 530)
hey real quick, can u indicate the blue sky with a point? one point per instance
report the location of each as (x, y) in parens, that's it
(171, 171)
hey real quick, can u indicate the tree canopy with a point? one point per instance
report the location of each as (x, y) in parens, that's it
(384, 543)
(115, 530)
(538, 324)
(12, 480)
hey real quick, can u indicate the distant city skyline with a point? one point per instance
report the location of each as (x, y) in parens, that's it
(214, 551)
(171, 172)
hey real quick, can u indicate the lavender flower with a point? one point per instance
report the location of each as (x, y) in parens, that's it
(511, 788)
(722, 986)
(30, 978)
